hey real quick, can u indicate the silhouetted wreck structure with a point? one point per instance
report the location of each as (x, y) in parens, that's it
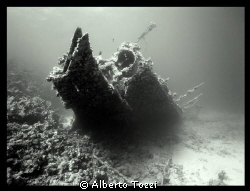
(118, 94)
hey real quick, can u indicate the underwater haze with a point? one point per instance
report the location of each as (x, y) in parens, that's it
(190, 45)
(200, 49)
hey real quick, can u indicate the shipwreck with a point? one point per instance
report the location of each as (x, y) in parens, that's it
(118, 94)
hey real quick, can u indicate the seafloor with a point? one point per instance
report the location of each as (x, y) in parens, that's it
(41, 152)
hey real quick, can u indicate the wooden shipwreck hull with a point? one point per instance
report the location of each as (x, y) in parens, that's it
(115, 93)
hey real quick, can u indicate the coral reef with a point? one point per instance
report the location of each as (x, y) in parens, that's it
(112, 93)
(29, 110)
(39, 150)
(41, 154)
(25, 81)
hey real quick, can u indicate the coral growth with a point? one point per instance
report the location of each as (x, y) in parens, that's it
(24, 81)
(29, 110)
(39, 150)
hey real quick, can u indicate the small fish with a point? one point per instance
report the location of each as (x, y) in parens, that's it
(100, 53)
(113, 40)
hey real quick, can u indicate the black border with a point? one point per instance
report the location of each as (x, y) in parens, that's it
(169, 3)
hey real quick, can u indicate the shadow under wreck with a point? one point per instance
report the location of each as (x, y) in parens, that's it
(120, 95)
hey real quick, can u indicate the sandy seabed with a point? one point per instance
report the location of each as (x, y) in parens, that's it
(203, 147)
